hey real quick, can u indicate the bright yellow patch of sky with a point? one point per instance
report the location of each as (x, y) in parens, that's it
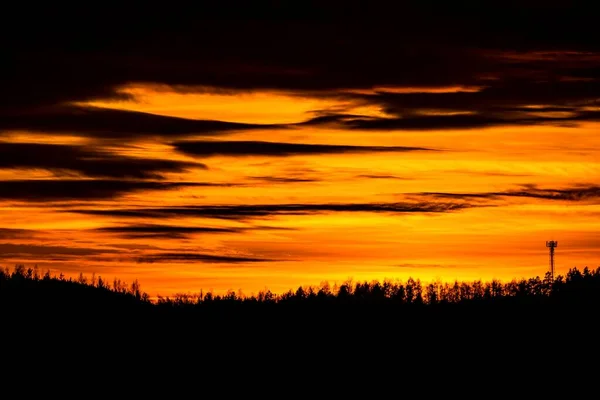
(248, 107)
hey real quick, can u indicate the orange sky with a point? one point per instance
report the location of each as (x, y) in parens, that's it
(500, 233)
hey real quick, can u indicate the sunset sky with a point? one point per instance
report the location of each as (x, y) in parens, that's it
(246, 147)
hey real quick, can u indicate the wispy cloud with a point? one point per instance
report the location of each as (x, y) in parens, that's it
(381, 176)
(578, 193)
(10, 250)
(207, 148)
(199, 257)
(163, 231)
(283, 179)
(36, 190)
(266, 210)
(477, 118)
(8, 233)
(115, 124)
(81, 160)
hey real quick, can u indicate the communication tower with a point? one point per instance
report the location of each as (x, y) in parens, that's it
(552, 244)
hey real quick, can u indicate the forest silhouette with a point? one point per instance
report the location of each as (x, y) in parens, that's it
(24, 291)
(96, 322)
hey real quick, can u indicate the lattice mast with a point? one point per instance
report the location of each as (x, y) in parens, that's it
(551, 245)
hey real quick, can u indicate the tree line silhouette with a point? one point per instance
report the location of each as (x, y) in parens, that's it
(351, 319)
(26, 286)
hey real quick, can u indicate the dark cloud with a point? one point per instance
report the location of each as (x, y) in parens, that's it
(283, 179)
(505, 97)
(37, 190)
(206, 148)
(266, 210)
(199, 257)
(9, 233)
(146, 231)
(163, 231)
(477, 118)
(316, 47)
(9, 250)
(527, 92)
(381, 176)
(518, 53)
(420, 122)
(578, 193)
(111, 123)
(570, 194)
(80, 160)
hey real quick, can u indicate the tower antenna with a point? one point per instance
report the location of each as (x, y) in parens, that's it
(552, 244)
